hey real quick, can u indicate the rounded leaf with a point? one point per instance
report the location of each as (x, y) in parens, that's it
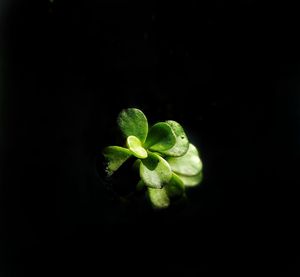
(189, 164)
(155, 171)
(135, 146)
(159, 198)
(191, 181)
(182, 143)
(133, 122)
(115, 157)
(160, 137)
(175, 188)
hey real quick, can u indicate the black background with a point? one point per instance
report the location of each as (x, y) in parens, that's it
(228, 71)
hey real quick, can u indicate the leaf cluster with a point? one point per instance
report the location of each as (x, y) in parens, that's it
(166, 161)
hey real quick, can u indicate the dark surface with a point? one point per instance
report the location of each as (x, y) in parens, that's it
(228, 72)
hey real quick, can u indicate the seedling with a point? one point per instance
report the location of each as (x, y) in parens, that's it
(166, 161)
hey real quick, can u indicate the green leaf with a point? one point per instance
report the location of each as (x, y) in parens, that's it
(115, 157)
(191, 181)
(155, 171)
(133, 122)
(135, 146)
(136, 165)
(159, 198)
(160, 137)
(188, 164)
(182, 143)
(175, 188)
(140, 185)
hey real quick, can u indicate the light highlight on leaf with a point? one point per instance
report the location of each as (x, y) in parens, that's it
(159, 198)
(155, 171)
(188, 164)
(135, 146)
(191, 181)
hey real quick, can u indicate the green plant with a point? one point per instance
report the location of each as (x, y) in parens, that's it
(166, 161)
